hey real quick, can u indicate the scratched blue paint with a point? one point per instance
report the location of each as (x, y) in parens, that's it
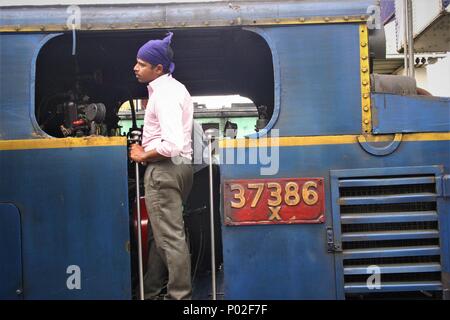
(74, 211)
(10, 252)
(18, 52)
(395, 113)
(291, 262)
(74, 203)
(321, 65)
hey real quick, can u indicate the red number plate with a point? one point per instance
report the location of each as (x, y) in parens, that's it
(274, 201)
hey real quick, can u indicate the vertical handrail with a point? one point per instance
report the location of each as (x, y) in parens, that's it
(210, 137)
(408, 35)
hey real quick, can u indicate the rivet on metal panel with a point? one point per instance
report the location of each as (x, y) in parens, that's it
(136, 25)
(232, 21)
(365, 83)
(18, 28)
(363, 18)
(363, 44)
(42, 28)
(327, 19)
(277, 20)
(206, 23)
(364, 70)
(111, 26)
(366, 95)
(65, 27)
(159, 24)
(364, 57)
(89, 26)
(183, 24)
(346, 18)
(302, 19)
(366, 109)
(366, 121)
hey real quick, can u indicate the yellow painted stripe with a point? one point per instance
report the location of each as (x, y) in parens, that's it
(327, 140)
(55, 143)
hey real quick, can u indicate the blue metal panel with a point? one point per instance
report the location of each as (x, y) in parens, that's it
(390, 235)
(318, 66)
(389, 217)
(396, 287)
(280, 248)
(396, 268)
(392, 252)
(445, 190)
(337, 231)
(10, 253)
(17, 82)
(385, 199)
(276, 80)
(394, 113)
(273, 262)
(74, 205)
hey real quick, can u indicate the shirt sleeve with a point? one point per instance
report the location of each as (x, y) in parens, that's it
(169, 112)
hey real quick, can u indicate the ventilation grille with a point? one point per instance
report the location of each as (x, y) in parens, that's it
(390, 223)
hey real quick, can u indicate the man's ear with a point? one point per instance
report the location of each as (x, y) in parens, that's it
(160, 69)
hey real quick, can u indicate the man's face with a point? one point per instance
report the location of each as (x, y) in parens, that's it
(145, 72)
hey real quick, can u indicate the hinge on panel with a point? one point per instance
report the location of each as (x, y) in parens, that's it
(332, 247)
(443, 186)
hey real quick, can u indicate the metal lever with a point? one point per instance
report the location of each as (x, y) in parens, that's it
(135, 137)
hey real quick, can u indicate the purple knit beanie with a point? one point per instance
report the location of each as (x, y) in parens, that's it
(156, 52)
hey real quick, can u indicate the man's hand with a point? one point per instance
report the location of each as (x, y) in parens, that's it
(137, 153)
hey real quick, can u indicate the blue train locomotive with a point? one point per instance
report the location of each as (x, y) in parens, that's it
(343, 191)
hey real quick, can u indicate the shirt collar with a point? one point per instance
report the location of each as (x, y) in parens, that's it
(152, 86)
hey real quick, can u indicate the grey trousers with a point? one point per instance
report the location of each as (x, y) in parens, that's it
(167, 186)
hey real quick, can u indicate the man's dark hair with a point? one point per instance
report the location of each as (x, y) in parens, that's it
(170, 55)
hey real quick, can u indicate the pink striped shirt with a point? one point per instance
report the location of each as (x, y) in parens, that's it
(168, 118)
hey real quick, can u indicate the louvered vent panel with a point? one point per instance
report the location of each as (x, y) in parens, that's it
(392, 223)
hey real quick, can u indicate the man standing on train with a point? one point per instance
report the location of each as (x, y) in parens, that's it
(166, 148)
